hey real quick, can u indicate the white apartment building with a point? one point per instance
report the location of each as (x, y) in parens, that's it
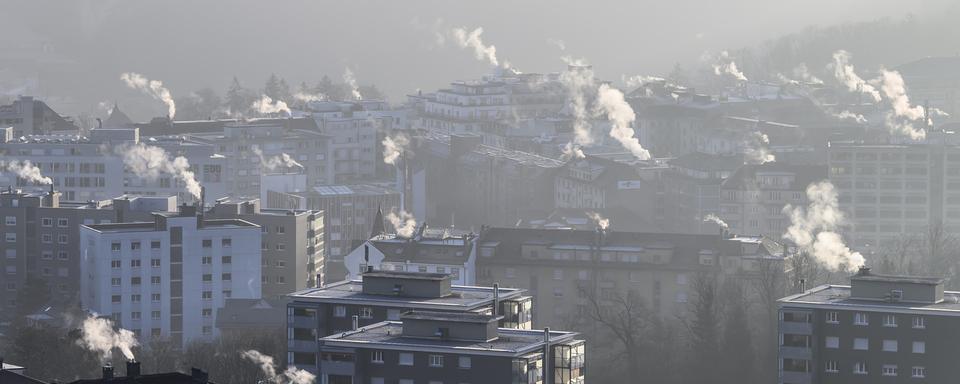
(167, 278)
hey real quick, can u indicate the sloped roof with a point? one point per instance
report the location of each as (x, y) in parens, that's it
(117, 119)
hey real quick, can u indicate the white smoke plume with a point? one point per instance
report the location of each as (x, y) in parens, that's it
(601, 221)
(578, 82)
(351, 81)
(28, 171)
(150, 162)
(154, 88)
(803, 73)
(98, 335)
(308, 97)
(292, 375)
(266, 105)
(711, 218)
(724, 65)
(755, 149)
(900, 121)
(472, 40)
(639, 80)
(844, 72)
(393, 147)
(273, 162)
(814, 229)
(403, 222)
(847, 115)
(611, 102)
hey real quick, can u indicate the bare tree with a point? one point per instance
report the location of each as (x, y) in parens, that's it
(703, 327)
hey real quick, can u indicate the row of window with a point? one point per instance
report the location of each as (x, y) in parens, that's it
(863, 344)
(889, 320)
(860, 368)
(406, 358)
(47, 238)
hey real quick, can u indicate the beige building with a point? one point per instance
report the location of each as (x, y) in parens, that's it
(753, 198)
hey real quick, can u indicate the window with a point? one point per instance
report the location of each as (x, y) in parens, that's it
(207, 329)
(134, 298)
(860, 368)
(155, 298)
(919, 347)
(155, 280)
(135, 263)
(135, 315)
(10, 220)
(207, 277)
(155, 244)
(226, 277)
(115, 264)
(115, 281)
(115, 299)
(135, 281)
(134, 245)
(62, 223)
(155, 332)
(62, 238)
(339, 311)
(860, 318)
(366, 313)
(46, 238)
(155, 263)
(831, 367)
(206, 260)
(861, 344)
(115, 246)
(206, 312)
(464, 362)
(889, 320)
(436, 360)
(207, 243)
(889, 345)
(919, 322)
(226, 259)
(558, 274)
(376, 357)
(62, 255)
(441, 270)
(918, 372)
(226, 242)
(207, 295)
(406, 358)
(557, 291)
(681, 297)
(832, 342)
(46, 222)
(889, 370)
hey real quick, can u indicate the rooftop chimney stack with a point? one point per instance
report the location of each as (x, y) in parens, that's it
(107, 371)
(356, 322)
(133, 368)
(496, 299)
(547, 357)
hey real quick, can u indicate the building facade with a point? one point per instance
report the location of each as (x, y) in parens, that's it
(753, 198)
(434, 250)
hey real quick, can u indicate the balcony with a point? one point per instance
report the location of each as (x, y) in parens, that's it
(294, 345)
(799, 353)
(796, 377)
(796, 328)
(331, 367)
(303, 322)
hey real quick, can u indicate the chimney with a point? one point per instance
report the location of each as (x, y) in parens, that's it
(803, 285)
(356, 322)
(107, 371)
(133, 368)
(496, 299)
(547, 357)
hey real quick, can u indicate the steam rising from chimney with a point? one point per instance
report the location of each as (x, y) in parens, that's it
(27, 171)
(292, 375)
(266, 105)
(756, 151)
(900, 119)
(393, 147)
(404, 223)
(640, 80)
(154, 88)
(351, 81)
(847, 115)
(611, 101)
(601, 221)
(150, 162)
(472, 40)
(273, 162)
(814, 229)
(803, 73)
(308, 97)
(98, 335)
(724, 65)
(711, 218)
(844, 72)
(578, 81)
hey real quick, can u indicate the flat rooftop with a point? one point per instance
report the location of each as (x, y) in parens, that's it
(149, 226)
(351, 291)
(389, 334)
(838, 296)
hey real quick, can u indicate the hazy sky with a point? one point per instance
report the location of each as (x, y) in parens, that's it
(192, 44)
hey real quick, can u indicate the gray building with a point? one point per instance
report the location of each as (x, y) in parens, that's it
(29, 116)
(437, 347)
(386, 295)
(753, 198)
(41, 239)
(878, 329)
(291, 244)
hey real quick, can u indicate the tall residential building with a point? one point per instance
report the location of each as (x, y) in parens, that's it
(41, 240)
(86, 168)
(563, 268)
(889, 192)
(386, 295)
(28, 116)
(291, 244)
(753, 198)
(432, 347)
(693, 189)
(168, 277)
(897, 329)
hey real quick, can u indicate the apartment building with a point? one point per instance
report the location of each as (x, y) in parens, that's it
(29, 116)
(167, 278)
(386, 295)
(436, 347)
(354, 128)
(890, 191)
(563, 268)
(41, 240)
(692, 189)
(880, 328)
(291, 244)
(753, 198)
(85, 168)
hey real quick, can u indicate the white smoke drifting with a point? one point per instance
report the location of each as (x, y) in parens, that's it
(154, 88)
(273, 162)
(847, 115)
(814, 229)
(601, 221)
(639, 80)
(28, 171)
(404, 223)
(711, 218)
(266, 105)
(755, 149)
(351, 81)
(98, 335)
(803, 73)
(150, 162)
(472, 40)
(903, 114)
(611, 102)
(578, 81)
(393, 147)
(724, 65)
(292, 375)
(308, 97)
(844, 72)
